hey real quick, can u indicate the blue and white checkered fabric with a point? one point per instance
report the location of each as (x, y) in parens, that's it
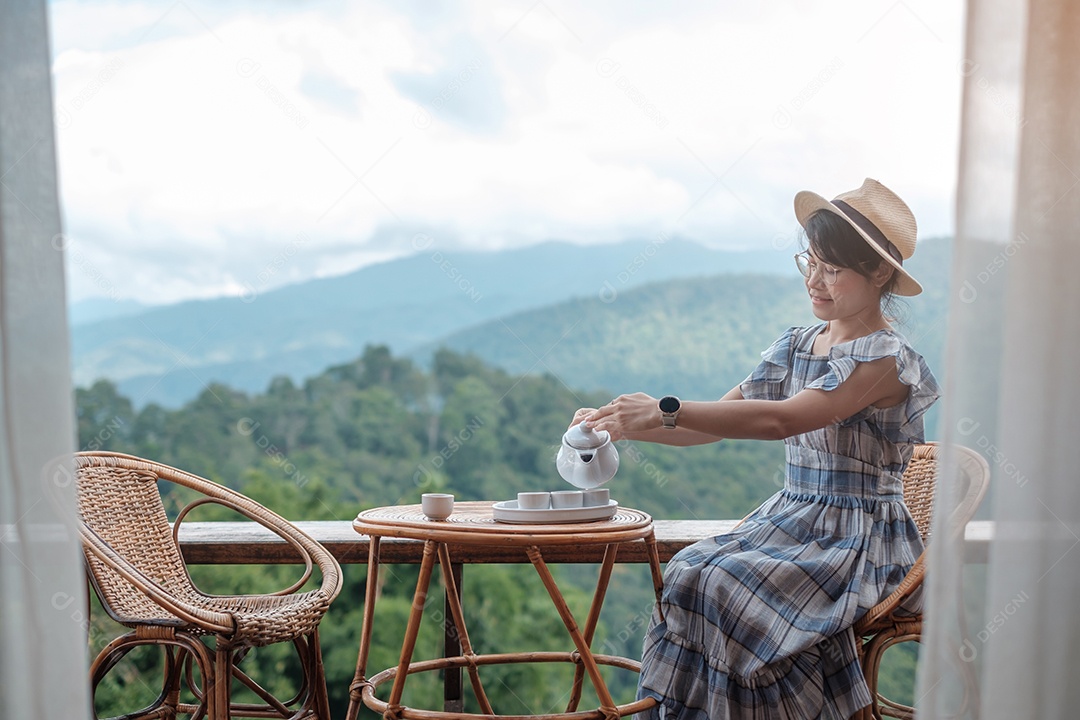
(758, 621)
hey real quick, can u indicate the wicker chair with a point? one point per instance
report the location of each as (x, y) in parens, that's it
(883, 627)
(134, 564)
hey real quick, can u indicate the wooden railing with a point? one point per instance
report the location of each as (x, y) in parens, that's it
(245, 543)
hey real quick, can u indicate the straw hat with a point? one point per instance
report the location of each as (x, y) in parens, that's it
(879, 216)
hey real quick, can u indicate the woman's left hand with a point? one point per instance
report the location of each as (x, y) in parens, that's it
(581, 415)
(625, 415)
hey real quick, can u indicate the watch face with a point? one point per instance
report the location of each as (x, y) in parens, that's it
(669, 404)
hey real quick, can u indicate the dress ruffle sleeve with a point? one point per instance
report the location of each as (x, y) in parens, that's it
(911, 369)
(770, 380)
(766, 382)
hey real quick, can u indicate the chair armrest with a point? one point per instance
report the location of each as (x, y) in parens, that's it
(307, 547)
(911, 581)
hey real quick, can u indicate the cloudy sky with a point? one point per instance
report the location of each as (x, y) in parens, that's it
(208, 150)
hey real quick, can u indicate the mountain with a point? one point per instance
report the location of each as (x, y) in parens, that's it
(92, 310)
(695, 337)
(628, 316)
(168, 355)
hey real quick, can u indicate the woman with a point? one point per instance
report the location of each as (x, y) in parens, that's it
(757, 623)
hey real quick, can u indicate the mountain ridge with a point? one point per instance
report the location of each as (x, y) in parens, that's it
(509, 307)
(168, 354)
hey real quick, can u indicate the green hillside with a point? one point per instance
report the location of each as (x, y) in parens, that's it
(695, 338)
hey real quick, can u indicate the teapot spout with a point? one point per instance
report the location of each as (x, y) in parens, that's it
(584, 478)
(586, 471)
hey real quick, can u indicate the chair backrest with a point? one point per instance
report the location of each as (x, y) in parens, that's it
(920, 488)
(119, 501)
(920, 481)
(920, 485)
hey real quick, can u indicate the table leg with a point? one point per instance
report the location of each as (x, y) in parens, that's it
(452, 699)
(594, 616)
(454, 599)
(359, 679)
(657, 573)
(606, 702)
(427, 562)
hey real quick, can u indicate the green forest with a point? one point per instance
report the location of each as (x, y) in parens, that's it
(380, 431)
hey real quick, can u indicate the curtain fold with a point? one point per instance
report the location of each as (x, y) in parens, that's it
(43, 611)
(1013, 389)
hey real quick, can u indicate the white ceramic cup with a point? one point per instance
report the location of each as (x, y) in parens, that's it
(534, 500)
(437, 506)
(595, 497)
(565, 499)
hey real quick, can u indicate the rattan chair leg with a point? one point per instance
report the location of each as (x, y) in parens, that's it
(219, 689)
(875, 650)
(269, 701)
(320, 699)
(179, 650)
(310, 698)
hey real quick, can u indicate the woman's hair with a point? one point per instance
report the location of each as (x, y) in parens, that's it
(835, 242)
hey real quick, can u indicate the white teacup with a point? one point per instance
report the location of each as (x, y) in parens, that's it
(534, 500)
(596, 497)
(565, 499)
(437, 506)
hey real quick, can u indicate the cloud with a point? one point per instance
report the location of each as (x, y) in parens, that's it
(459, 87)
(196, 141)
(327, 88)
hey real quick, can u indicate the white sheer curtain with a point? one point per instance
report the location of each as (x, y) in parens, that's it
(43, 651)
(1013, 386)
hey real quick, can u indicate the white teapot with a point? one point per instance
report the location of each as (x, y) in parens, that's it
(587, 458)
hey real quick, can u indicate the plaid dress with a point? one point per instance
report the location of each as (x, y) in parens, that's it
(757, 623)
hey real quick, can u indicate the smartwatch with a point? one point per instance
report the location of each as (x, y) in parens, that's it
(669, 410)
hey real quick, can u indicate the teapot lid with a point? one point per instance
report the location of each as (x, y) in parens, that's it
(580, 437)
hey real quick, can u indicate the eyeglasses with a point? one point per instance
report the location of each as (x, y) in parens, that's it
(807, 266)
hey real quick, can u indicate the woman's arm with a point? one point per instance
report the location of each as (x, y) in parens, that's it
(871, 383)
(679, 436)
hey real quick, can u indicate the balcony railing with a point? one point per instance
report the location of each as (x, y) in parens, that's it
(246, 543)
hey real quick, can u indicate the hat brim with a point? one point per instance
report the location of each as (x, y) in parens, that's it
(807, 203)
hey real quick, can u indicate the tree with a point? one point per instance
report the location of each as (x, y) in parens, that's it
(470, 448)
(105, 420)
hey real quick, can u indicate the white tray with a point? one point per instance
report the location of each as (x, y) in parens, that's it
(508, 511)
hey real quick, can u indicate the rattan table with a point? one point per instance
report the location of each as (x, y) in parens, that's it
(472, 524)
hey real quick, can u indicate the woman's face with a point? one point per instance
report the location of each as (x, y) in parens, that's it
(841, 293)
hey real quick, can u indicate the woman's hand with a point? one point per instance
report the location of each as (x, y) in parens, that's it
(626, 415)
(580, 415)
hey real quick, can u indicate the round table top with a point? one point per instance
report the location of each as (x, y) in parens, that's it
(472, 523)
